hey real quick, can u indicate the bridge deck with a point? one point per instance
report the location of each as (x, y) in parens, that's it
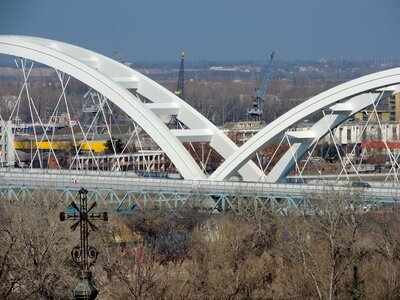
(131, 182)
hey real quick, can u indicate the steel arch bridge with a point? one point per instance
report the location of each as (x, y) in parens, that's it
(127, 88)
(336, 104)
(113, 80)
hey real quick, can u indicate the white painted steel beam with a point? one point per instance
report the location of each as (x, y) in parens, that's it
(65, 58)
(340, 93)
(344, 108)
(283, 167)
(300, 135)
(193, 135)
(111, 79)
(127, 82)
(163, 108)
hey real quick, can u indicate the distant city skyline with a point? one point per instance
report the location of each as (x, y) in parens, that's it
(222, 30)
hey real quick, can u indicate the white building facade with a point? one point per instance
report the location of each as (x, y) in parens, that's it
(7, 152)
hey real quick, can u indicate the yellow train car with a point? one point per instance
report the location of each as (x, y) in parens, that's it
(95, 146)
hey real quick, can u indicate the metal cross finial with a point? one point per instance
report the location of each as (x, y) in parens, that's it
(84, 255)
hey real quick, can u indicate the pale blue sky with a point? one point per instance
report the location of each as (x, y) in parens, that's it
(157, 30)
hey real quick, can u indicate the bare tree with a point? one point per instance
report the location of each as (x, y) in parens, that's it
(326, 240)
(226, 265)
(34, 249)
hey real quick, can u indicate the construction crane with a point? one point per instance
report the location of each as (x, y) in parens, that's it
(181, 79)
(118, 57)
(255, 113)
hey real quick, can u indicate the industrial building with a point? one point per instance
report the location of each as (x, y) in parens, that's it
(388, 110)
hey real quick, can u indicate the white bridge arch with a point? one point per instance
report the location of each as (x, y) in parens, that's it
(113, 79)
(337, 104)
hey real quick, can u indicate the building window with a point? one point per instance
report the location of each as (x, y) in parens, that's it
(349, 135)
(394, 133)
(383, 105)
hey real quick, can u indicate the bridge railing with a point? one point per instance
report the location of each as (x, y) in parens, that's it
(127, 181)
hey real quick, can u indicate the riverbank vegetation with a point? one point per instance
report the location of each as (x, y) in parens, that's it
(334, 251)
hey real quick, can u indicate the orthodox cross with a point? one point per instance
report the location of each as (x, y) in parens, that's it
(84, 255)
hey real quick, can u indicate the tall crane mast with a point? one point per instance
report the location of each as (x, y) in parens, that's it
(181, 80)
(117, 56)
(255, 113)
